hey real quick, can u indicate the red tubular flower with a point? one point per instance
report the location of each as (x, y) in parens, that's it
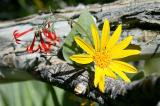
(51, 36)
(30, 48)
(17, 34)
(44, 47)
(58, 39)
(45, 32)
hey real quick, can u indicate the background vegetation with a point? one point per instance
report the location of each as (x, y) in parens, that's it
(10, 9)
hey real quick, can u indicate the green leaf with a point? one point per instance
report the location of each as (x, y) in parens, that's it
(35, 93)
(29, 93)
(138, 76)
(152, 66)
(80, 28)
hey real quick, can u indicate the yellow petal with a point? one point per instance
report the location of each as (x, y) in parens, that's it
(124, 66)
(95, 36)
(97, 75)
(120, 73)
(85, 46)
(117, 54)
(82, 58)
(102, 83)
(114, 38)
(109, 73)
(105, 34)
(123, 44)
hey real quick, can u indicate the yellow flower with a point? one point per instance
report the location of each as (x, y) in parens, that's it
(105, 54)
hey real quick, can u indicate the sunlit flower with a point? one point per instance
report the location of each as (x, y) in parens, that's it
(106, 54)
(18, 34)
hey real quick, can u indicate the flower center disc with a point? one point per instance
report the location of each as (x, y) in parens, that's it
(102, 59)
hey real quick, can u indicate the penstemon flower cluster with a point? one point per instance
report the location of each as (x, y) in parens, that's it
(45, 36)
